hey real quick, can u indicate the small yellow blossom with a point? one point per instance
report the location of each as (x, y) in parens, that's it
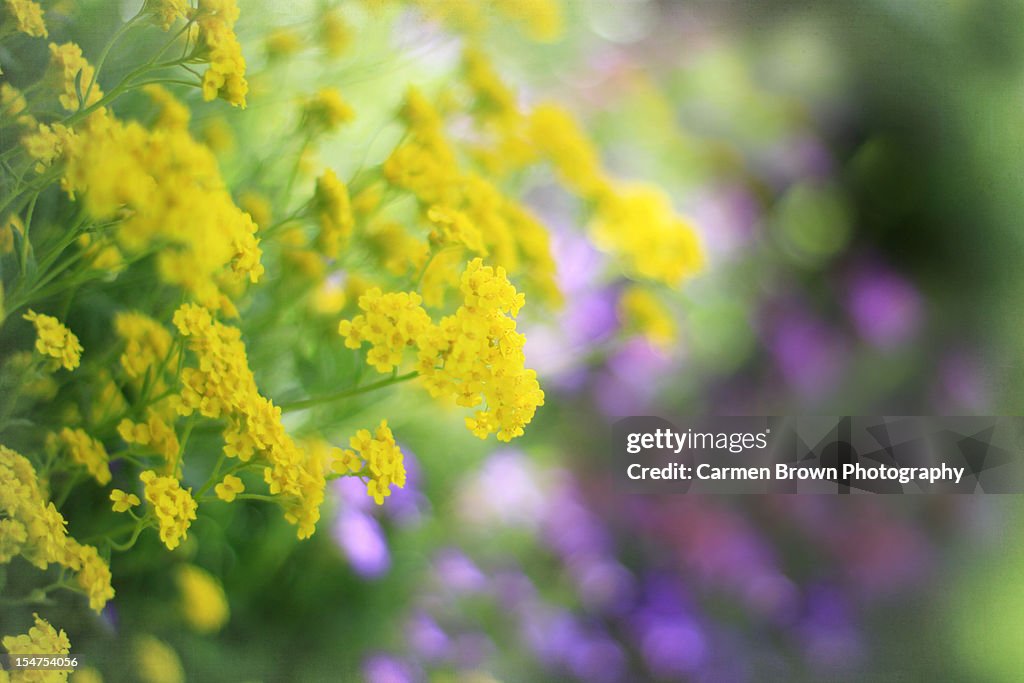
(84, 450)
(375, 457)
(75, 75)
(225, 76)
(230, 487)
(13, 106)
(156, 662)
(327, 110)
(41, 639)
(28, 17)
(641, 311)
(334, 211)
(167, 11)
(203, 602)
(55, 341)
(174, 507)
(283, 42)
(335, 33)
(123, 501)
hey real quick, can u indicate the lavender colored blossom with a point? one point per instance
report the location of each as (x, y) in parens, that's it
(361, 539)
(885, 307)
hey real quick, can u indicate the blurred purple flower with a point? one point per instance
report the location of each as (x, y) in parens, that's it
(810, 354)
(426, 637)
(828, 632)
(457, 573)
(361, 539)
(885, 307)
(961, 387)
(505, 491)
(727, 216)
(630, 384)
(388, 669)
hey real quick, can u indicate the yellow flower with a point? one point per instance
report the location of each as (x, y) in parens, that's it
(10, 226)
(13, 106)
(225, 76)
(84, 450)
(327, 110)
(390, 323)
(335, 34)
(36, 531)
(641, 311)
(229, 488)
(156, 662)
(282, 42)
(167, 11)
(375, 457)
(174, 507)
(41, 639)
(75, 74)
(28, 17)
(335, 213)
(123, 501)
(55, 341)
(203, 602)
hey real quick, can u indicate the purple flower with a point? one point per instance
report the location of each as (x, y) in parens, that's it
(384, 668)
(456, 572)
(426, 637)
(810, 354)
(361, 539)
(885, 308)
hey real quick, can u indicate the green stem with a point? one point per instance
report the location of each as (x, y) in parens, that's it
(328, 398)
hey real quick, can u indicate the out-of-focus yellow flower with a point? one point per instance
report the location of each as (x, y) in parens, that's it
(167, 12)
(229, 488)
(641, 311)
(86, 674)
(283, 42)
(258, 206)
(14, 107)
(203, 602)
(55, 341)
(75, 75)
(84, 450)
(327, 110)
(28, 17)
(335, 33)
(123, 501)
(156, 662)
(334, 210)
(10, 225)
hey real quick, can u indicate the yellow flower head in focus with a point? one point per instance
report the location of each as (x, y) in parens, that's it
(28, 17)
(225, 76)
(381, 459)
(55, 341)
(123, 501)
(203, 602)
(41, 639)
(228, 489)
(174, 507)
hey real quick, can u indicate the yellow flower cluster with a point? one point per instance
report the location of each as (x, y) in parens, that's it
(641, 311)
(326, 110)
(541, 20)
(225, 76)
(55, 341)
(41, 639)
(28, 17)
(156, 434)
(147, 346)
(174, 506)
(75, 75)
(33, 528)
(176, 197)
(203, 603)
(465, 208)
(167, 11)
(222, 386)
(377, 458)
(639, 224)
(156, 662)
(84, 450)
(389, 323)
(474, 356)
(335, 33)
(334, 211)
(14, 107)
